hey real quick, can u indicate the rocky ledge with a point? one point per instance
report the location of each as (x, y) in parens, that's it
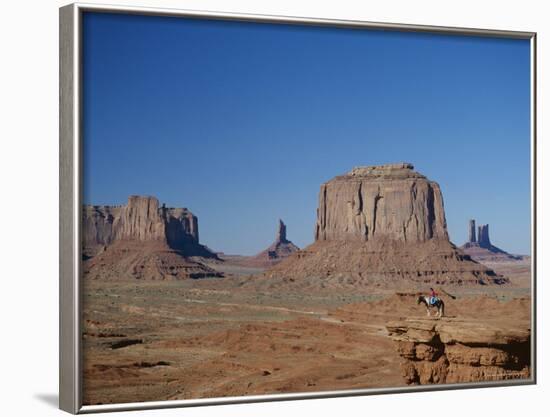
(451, 350)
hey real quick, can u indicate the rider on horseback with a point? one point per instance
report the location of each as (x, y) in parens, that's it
(433, 296)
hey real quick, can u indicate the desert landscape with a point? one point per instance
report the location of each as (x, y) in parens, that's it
(166, 317)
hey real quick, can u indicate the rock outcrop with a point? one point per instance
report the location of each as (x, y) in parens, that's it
(472, 231)
(142, 241)
(483, 236)
(452, 350)
(281, 233)
(280, 249)
(388, 201)
(142, 220)
(382, 226)
(480, 247)
(149, 260)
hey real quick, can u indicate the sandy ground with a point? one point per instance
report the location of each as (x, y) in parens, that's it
(186, 339)
(520, 271)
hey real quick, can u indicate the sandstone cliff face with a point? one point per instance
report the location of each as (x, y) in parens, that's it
(97, 224)
(142, 241)
(388, 201)
(142, 220)
(462, 350)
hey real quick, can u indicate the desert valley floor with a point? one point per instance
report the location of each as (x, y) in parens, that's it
(202, 338)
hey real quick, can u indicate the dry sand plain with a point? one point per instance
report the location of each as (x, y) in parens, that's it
(152, 340)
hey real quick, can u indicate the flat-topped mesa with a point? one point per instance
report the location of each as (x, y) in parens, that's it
(382, 201)
(142, 241)
(379, 226)
(399, 170)
(142, 220)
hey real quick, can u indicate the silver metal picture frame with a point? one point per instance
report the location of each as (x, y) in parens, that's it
(71, 201)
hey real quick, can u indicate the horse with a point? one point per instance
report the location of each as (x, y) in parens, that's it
(439, 304)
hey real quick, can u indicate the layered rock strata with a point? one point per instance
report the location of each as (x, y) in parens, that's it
(453, 350)
(384, 226)
(130, 260)
(142, 240)
(143, 220)
(387, 201)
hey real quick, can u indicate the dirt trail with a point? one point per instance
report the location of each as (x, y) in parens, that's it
(259, 307)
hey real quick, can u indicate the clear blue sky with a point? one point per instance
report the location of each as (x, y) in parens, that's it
(242, 122)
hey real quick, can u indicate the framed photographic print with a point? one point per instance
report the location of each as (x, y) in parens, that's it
(364, 194)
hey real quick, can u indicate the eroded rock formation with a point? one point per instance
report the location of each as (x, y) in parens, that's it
(142, 240)
(280, 249)
(483, 236)
(472, 231)
(281, 233)
(480, 247)
(149, 260)
(388, 201)
(384, 226)
(143, 220)
(453, 350)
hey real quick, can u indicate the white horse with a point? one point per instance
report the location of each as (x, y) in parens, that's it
(439, 304)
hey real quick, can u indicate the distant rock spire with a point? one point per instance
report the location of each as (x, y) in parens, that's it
(472, 231)
(281, 233)
(483, 236)
(480, 247)
(278, 250)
